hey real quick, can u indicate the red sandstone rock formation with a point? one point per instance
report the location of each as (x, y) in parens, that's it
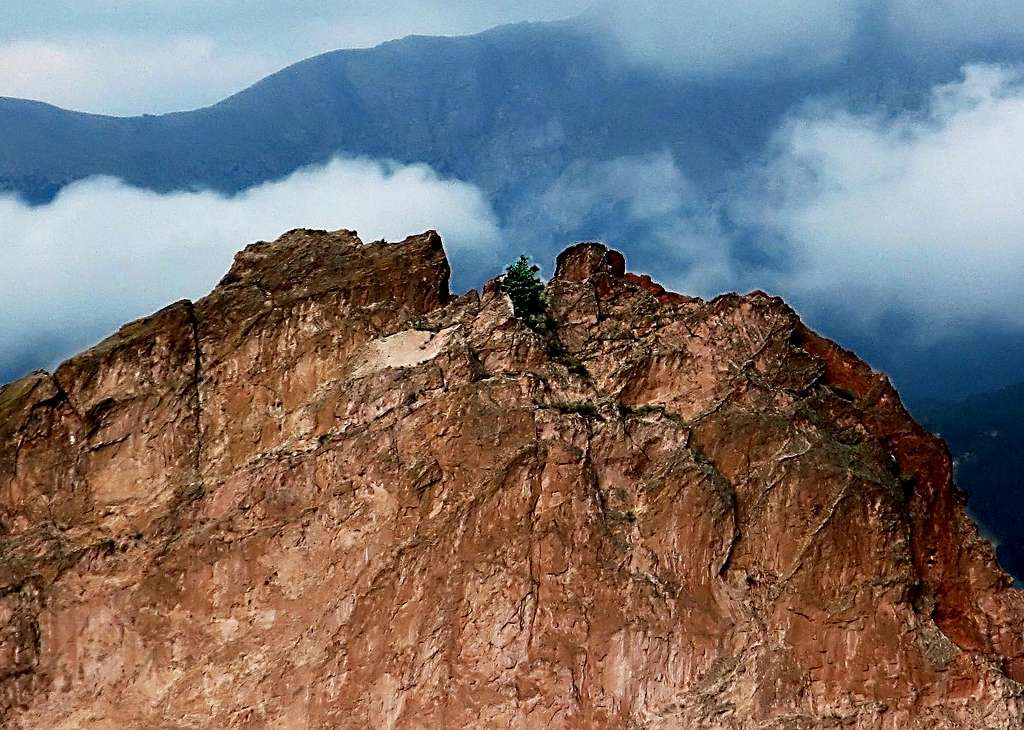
(330, 495)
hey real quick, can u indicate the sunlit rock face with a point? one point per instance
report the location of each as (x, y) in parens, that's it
(331, 494)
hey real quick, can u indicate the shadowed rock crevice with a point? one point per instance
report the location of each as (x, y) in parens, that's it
(331, 494)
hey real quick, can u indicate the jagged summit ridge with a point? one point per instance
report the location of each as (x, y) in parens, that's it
(331, 494)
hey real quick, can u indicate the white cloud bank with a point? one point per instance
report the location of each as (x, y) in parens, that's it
(103, 253)
(856, 218)
(922, 214)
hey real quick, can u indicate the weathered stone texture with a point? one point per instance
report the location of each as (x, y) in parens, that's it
(331, 495)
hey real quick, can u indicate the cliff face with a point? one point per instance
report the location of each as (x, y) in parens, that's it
(331, 495)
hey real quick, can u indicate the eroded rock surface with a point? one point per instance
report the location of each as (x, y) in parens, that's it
(332, 495)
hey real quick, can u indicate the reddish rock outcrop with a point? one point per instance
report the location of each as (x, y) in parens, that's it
(331, 495)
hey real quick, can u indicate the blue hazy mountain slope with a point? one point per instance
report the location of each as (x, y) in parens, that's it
(986, 435)
(497, 109)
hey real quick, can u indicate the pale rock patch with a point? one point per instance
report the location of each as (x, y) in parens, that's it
(402, 350)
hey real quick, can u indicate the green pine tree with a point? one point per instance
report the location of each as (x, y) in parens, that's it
(526, 290)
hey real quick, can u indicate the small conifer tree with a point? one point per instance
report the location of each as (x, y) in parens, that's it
(525, 289)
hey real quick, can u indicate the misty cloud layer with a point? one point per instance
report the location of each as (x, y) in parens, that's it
(855, 218)
(921, 214)
(649, 204)
(722, 38)
(710, 38)
(104, 253)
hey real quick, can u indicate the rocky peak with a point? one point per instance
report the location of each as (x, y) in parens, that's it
(329, 494)
(583, 260)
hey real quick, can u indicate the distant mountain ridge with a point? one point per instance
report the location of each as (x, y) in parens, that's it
(494, 108)
(433, 100)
